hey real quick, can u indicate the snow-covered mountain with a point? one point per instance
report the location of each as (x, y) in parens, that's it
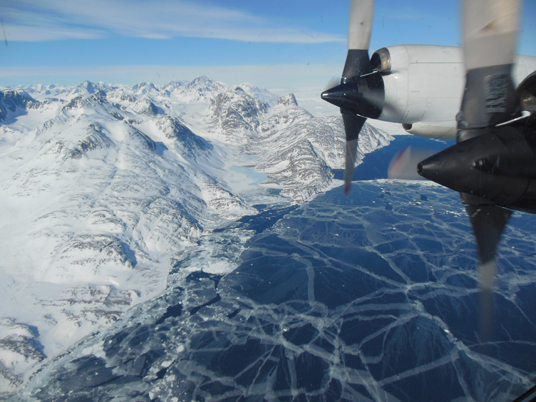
(308, 148)
(104, 186)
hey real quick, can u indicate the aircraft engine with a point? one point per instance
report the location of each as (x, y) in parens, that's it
(381, 61)
(498, 166)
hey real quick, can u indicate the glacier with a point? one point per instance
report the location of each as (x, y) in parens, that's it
(191, 242)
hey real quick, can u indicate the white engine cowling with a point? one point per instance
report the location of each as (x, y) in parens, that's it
(422, 83)
(424, 86)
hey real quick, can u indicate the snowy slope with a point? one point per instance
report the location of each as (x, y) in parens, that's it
(104, 185)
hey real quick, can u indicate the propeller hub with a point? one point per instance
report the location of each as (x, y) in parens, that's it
(497, 166)
(363, 96)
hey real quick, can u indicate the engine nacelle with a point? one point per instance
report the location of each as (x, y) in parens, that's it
(424, 85)
(431, 131)
(526, 91)
(381, 61)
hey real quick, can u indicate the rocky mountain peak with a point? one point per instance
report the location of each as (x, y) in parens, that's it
(88, 86)
(204, 83)
(147, 107)
(144, 87)
(237, 113)
(174, 85)
(88, 100)
(288, 100)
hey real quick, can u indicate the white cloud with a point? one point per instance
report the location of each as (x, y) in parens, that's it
(20, 33)
(36, 20)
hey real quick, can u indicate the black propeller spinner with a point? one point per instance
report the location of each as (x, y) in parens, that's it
(361, 91)
(493, 164)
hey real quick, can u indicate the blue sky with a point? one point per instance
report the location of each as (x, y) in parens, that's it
(285, 46)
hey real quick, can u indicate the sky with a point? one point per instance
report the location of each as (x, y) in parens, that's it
(283, 45)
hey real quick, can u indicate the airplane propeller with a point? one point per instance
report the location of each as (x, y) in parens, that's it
(492, 164)
(360, 93)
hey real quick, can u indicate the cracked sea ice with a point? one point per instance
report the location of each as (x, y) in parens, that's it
(371, 298)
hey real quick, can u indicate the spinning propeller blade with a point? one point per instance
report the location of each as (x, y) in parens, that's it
(352, 126)
(490, 37)
(483, 162)
(349, 95)
(488, 222)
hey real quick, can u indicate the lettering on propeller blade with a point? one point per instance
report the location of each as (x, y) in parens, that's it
(496, 92)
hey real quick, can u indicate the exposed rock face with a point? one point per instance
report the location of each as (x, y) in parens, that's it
(289, 100)
(147, 107)
(19, 351)
(191, 144)
(95, 139)
(237, 114)
(298, 151)
(13, 101)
